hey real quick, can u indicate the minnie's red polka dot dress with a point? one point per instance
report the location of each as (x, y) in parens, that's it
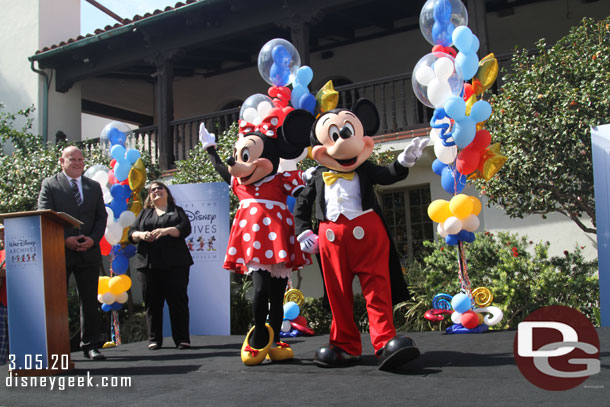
(262, 235)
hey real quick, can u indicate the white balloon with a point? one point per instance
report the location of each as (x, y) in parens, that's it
(286, 326)
(424, 75)
(101, 177)
(126, 219)
(441, 230)
(496, 315)
(110, 213)
(443, 68)
(456, 317)
(108, 298)
(445, 154)
(122, 297)
(107, 199)
(438, 92)
(250, 115)
(114, 232)
(263, 109)
(471, 223)
(452, 225)
(99, 298)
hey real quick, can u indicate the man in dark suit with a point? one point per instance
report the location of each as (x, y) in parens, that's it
(81, 197)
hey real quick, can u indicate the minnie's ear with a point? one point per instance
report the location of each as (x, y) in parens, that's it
(293, 136)
(368, 115)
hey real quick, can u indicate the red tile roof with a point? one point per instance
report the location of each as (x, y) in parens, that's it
(126, 21)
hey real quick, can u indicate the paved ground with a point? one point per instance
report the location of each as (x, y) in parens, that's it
(454, 370)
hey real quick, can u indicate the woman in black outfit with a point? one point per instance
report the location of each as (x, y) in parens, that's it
(163, 260)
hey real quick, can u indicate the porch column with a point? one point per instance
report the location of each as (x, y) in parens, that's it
(477, 21)
(164, 108)
(299, 35)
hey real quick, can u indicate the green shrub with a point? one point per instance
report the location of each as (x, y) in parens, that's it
(520, 274)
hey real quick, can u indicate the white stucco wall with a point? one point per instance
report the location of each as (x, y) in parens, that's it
(27, 26)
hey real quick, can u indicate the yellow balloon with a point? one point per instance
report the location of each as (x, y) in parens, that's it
(476, 205)
(471, 101)
(327, 97)
(438, 210)
(493, 160)
(486, 75)
(137, 175)
(102, 285)
(125, 237)
(136, 205)
(461, 206)
(482, 297)
(119, 284)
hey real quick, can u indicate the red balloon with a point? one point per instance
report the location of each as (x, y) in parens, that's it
(445, 50)
(111, 178)
(467, 160)
(482, 139)
(470, 319)
(105, 247)
(468, 91)
(437, 315)
(112, 163)
(124, 182)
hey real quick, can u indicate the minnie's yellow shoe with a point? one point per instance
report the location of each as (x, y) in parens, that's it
(281, 351)
(251, 356)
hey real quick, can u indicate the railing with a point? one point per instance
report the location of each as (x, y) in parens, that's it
(398, 108)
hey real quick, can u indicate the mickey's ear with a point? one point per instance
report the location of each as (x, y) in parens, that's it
(368, 115)
(293, 136)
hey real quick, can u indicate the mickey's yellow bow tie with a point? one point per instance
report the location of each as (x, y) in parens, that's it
(331, 177)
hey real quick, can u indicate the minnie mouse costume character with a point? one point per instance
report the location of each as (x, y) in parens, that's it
(353, 239)
(262, 239)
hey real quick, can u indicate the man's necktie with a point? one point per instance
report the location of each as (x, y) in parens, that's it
(76, 192)
(331, 177)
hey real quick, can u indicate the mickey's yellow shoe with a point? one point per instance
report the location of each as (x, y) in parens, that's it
(251, 356)
(281, 351)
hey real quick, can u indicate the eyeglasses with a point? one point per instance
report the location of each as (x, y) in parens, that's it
(153, 189)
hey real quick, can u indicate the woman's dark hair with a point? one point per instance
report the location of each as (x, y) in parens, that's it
(148, 203)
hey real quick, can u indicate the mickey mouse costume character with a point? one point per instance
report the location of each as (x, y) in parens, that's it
(353, 239)
(262, 239)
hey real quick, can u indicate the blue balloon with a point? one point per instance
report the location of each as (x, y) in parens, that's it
(290, 201)
(116, 136)
(117, 152)
(460, 329)
(291, 310)
(116, 306)
(132, 155)
(462, 38)
(451, 240)
(438, 166)
(461, 303)
(455, 107)
(442, 11)
(121, 170)
(115, 249)
(120, 264)
(106, 307)
(466, 236)
(480, 111)
(280, 70)
(118, 206)
(464, 132)
(308, 102)
(452, 184)
(129, 251)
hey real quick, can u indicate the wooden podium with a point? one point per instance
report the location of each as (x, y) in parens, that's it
(39, 336)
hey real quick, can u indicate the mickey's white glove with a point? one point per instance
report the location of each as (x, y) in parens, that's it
(309, 242)
(207, 139)
(413, 151)
(308, 174)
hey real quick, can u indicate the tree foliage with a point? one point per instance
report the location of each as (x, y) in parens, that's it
(25, 161)
(543, 116)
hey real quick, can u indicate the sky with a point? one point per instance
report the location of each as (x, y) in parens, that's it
(93, 18)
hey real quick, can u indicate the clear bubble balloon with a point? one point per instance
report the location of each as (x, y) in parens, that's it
(278, 62)
(114, 133)
(255, 108)
(435, 79)
(438, 19)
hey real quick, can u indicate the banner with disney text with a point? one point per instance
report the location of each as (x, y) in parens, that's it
(600, 143)
(209, 290)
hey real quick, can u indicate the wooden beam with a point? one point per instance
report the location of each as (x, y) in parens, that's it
(164, 107)
(104, 110)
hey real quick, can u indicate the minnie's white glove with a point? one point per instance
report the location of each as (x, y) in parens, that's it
(309, 242)
(207, 139)
(412, 153)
